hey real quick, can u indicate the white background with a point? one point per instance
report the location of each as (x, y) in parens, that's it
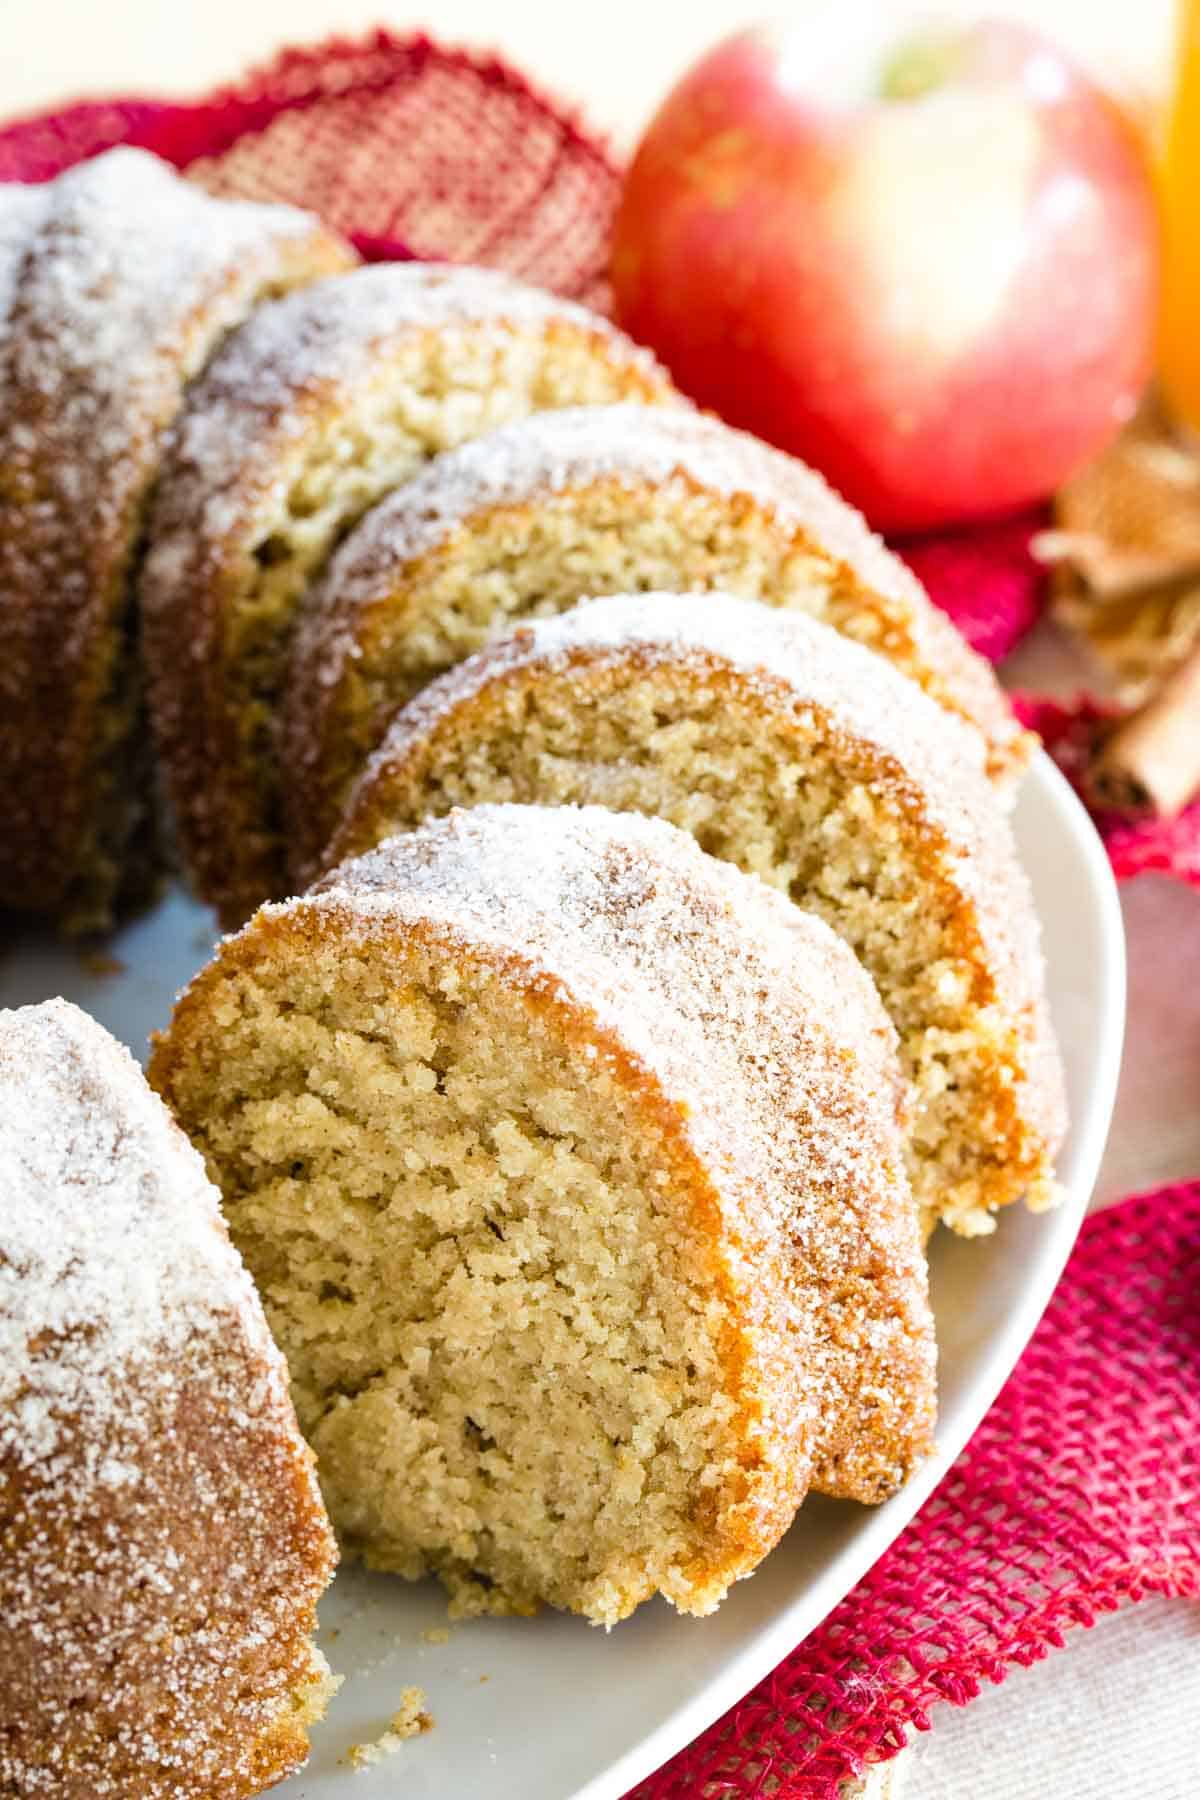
(1118, 1712)
(616, 57)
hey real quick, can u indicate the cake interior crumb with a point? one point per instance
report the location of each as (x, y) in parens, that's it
(517, 1195)
(784, 796)
(408, 1721)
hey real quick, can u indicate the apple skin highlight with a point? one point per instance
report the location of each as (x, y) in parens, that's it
(943, 296)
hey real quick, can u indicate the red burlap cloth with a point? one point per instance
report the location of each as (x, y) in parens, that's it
(1082, 1487)
(1136, 846)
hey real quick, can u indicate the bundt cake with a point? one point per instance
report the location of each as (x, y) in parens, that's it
(567, 1161)
(118, 280)
(323, 403)
(594, 500)
(812, 763)
(163, 1539)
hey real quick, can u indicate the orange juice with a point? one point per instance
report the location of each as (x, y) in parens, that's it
(1179, 351)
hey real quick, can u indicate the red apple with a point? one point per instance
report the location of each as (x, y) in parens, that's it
(939, 288)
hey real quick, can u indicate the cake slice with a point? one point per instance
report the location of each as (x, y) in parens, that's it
(164, 1542)
(320, 406)
(811, 763)
(593, 500)
(119, 279)
(567, 1160)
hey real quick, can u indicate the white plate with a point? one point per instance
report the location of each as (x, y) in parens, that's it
(548, 1708)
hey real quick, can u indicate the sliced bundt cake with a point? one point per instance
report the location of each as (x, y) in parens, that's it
(592, 500)
(21, 212)
(164, 1543)
(567, 1161)
(120, 280)
(321, 405)
(809, 762)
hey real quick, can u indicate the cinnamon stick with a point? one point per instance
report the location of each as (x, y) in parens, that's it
(1125, 553)
(1151, 762)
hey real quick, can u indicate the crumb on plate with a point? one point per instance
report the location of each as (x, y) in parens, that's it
(409, 1720)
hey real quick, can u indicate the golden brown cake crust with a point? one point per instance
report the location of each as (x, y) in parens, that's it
(127, 279)
(615, 472)
(306, 384)
(164, 1541)
(756, 1056)
(789, 676)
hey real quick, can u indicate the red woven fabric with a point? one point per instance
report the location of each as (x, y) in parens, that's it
(407, 148)
(1081, 1489)
(986, 579)
(1136, 846)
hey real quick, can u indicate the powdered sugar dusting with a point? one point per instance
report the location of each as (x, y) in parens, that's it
(628, 910)
(787, 650)
(552, 452)
(767, 1038)
(127, 277)
(164, 1540)
(860, 712)
(799, 663)
(325, 401)
(614, 900)
(21, 212)
(112, 1251)
(124, 255)
(127, 251)
(333, 333)
(575, 448)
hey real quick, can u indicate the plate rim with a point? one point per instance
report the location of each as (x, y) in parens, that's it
(1088, 1137)
(1092, 981)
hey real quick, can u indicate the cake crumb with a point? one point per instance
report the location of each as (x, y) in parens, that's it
(437, 1634)
(410, 1720)
(311, 1699)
